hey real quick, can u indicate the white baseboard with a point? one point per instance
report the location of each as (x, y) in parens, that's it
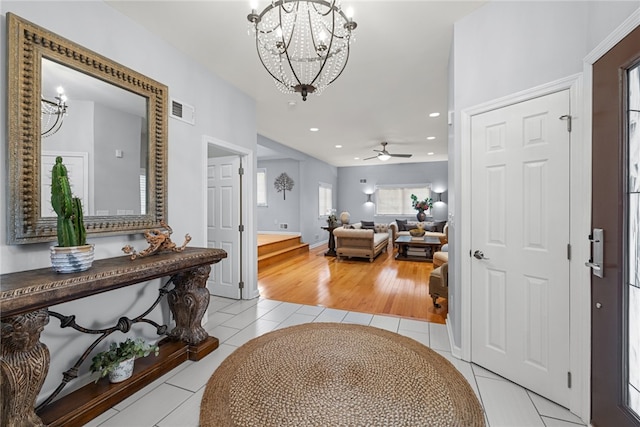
(455, 350)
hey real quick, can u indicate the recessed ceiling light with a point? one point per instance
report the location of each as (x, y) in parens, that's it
(338, 146)
(356, 158)
(430, 138)
(434, 114)
(314, 129)
(430, 153)
(291, 103)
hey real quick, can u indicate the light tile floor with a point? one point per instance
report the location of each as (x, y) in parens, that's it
(174, 399)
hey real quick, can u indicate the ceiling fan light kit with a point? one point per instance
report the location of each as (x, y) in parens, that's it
(384, 155)
(303, 45)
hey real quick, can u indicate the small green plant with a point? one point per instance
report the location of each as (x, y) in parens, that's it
(106, 361)
(71, 231)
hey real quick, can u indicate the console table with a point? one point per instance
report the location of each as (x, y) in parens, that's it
(24, 301)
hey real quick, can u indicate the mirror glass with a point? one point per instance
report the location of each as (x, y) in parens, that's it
(102, 140)
(111, 134)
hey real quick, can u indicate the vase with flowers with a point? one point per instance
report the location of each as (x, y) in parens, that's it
(421, 206)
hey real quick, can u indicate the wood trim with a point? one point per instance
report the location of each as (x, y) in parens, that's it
(86, 403)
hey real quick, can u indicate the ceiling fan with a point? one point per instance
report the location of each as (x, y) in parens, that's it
(384, 155)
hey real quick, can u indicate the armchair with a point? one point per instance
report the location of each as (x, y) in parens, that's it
(442, 256)
(439, 283)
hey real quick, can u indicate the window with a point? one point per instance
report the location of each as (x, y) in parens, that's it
(261, 187)
(396, 199)
(325, 199)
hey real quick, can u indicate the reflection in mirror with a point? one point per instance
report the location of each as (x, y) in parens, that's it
(102, 137)
(113, 136)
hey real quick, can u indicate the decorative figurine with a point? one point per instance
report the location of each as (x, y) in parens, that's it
(159, 241)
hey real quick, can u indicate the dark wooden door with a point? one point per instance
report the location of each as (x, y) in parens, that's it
(613, 202)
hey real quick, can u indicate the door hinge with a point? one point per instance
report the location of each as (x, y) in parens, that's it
(241, 228)
(241, 171)
(569, 251)
(568, 118)
(569, 379)
(240, 285)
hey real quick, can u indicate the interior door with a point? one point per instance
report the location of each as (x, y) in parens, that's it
(615, 315)
(520, 233)
(223, 223)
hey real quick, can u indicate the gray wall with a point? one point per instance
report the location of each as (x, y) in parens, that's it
(508, 46)
(282, 208)
(223, 112)
(352, 193)
(117, 179)
(311, 172)
(349, 193)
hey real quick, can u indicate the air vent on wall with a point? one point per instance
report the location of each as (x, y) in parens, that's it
(183, 112)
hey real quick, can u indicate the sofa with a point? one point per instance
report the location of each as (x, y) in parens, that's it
(362, 239)
(432, 228)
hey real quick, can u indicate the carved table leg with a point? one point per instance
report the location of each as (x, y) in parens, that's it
(24, 364)
(188, 301)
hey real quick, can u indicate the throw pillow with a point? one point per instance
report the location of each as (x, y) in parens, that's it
(440, 226)
(402, 224)
(429, 226)
(368, 225)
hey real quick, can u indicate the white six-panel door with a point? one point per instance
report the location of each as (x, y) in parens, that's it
(520, 223)
(223, 221)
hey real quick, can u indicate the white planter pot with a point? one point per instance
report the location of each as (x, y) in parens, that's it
(71, 259)
(122, 372)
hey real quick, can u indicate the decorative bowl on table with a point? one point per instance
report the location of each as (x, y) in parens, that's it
(416, 232)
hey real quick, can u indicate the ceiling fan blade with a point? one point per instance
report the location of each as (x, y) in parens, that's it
(406, 156)
(369, 158)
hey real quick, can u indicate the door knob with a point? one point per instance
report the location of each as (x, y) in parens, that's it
(479, 255)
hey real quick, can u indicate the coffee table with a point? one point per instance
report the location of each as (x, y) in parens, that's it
(431, 244)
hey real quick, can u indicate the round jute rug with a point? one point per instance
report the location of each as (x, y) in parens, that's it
(334, 374)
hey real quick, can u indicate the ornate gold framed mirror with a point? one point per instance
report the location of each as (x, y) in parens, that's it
(107, 121)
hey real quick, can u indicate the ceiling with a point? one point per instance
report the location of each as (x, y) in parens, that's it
(396, 76)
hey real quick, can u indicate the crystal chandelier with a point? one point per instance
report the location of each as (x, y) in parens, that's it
(53, 113)
(304, 45)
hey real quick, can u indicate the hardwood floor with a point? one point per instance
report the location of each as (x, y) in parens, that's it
(385, 286)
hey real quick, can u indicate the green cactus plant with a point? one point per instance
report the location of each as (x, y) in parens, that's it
(71, 231)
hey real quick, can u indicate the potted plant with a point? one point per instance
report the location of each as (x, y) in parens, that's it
(117, 362)
(72, 254)
(421, 206)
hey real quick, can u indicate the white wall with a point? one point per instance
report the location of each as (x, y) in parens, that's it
(223, 112)
(509, 46)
